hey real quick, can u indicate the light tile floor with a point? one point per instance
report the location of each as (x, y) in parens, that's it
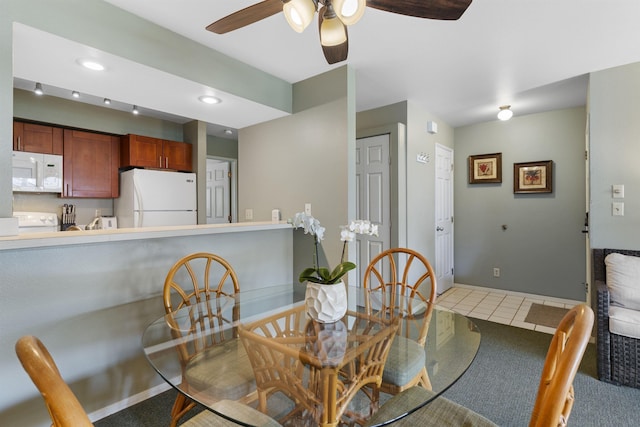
(496, 306)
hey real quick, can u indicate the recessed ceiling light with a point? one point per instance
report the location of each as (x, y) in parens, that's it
(91, 64)
(208, 99)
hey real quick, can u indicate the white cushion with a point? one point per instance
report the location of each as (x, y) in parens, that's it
(623, 321)
(623, 280)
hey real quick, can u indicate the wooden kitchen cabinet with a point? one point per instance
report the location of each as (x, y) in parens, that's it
(37, 138)
(147, 152)
(91, 162)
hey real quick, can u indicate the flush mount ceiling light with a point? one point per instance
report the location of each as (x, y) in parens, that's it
(38, 89)
(228, 131)
(135, 110)
(75, 94)
(505, 112)
(91, 64)
(300, 13)
(208, 99)
(107, 101)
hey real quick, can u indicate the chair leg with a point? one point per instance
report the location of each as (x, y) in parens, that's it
(181, 406)
(424, 379)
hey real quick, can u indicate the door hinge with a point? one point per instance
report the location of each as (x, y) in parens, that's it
(229, 174)
(586, 154)
(451, 220)
(586, 288)
(229, 218)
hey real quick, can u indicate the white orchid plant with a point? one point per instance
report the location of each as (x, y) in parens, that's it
(323, 275)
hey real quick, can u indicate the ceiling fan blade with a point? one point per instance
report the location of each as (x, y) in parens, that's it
(246, 16)
(448, 10)
(337, 53)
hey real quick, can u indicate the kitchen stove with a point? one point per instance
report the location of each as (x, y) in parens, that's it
(37, 222)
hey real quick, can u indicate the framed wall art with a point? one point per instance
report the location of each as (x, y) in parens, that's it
(533, 177)
(485, 168)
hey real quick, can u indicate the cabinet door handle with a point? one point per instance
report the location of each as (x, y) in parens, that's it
(19, 148)
(166, 163)
(160, 161)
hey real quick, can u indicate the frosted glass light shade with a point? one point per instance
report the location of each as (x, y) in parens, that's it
(349, 11)
(505, 113)
(299, 13)
(332, 32)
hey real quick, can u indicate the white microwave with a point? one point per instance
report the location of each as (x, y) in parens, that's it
(36, 172)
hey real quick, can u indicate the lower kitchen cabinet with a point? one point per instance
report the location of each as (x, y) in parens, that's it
(91, 162)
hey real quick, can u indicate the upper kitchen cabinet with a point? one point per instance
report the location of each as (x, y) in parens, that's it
(36, 138)
(147, 152)
(91, 162)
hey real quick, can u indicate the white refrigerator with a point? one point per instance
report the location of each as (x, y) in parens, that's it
(151, 198)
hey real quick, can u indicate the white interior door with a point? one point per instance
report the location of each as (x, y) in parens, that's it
(372, 197)
(218, 198)
(444, 218)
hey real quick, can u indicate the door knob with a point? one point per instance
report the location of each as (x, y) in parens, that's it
(439, 228)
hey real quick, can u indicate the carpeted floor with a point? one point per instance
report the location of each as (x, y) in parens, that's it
(500, 384)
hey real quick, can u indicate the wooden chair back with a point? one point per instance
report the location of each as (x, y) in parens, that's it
(403, 278)
(200, 280)
(555, 397)
(194, 278)
(64, 408)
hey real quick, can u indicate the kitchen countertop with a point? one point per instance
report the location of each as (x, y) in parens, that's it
(64, 238)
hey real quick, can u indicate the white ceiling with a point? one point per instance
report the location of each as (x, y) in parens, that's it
(532, 54)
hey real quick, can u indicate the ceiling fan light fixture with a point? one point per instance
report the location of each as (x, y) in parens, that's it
(332, 32)
(299, 13)
(38, 89)
(505, 112)
(349, 11)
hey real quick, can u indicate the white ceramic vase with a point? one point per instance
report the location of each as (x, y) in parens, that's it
(326, 303)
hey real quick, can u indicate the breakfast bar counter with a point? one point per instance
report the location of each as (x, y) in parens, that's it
(64, 238)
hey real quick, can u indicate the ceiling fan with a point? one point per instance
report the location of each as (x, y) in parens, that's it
(335, 15)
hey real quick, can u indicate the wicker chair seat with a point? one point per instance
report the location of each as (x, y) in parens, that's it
(624, 321)
(237, 380)
(405, 361)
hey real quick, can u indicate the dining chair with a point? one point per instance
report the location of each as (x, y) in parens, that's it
(402, 284)
(297, 357)
(207, 279)
(554, 399)
(66, 411)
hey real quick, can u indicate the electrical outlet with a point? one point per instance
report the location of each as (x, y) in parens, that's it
(248, 214)
(496, 272)
(307, 208)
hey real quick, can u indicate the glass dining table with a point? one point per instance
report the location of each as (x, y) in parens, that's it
(259, 349)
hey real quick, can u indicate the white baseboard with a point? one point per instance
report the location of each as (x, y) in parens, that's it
(129, 401)
(520, 294)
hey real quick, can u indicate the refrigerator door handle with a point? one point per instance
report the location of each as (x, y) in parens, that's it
(136, 193)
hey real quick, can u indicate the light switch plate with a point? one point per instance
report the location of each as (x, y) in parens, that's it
(617, 209)
(617, 191)
(307, 208)
(248, 214)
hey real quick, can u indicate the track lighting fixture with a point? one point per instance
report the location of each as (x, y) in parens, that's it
(38, 90)
(505, 112)
(75, 94)
(107, 101)
(135, 110)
